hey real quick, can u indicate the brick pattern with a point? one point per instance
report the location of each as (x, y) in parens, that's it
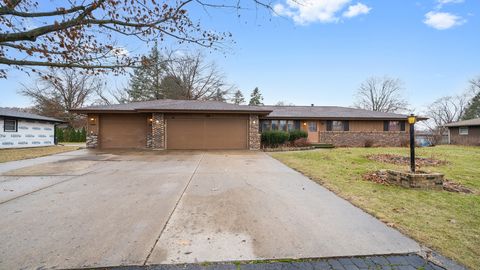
(417, 180)
(92, 141)
(253, 133)
(401, 262)
(158, 131)
(364, 138)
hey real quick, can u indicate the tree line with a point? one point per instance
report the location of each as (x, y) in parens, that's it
(163, 75)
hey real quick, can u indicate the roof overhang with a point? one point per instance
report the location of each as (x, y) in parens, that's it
(339, 118)
(33, 119)
(83, 111)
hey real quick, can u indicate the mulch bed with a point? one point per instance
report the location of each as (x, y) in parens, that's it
(402, 160)
(380, 177)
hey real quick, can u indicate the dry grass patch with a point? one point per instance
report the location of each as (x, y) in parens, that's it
(26, 153)
(445, 221)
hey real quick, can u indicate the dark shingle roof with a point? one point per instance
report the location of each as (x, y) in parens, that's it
(471, 122)
(319, 112)
(23, 115)
(329, 112)
(174, 105)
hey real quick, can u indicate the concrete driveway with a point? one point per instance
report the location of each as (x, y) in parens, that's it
(92, 209)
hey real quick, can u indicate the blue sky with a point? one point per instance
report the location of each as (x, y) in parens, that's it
(321, 51)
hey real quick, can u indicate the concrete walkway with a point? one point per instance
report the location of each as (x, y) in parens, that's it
(94, 209)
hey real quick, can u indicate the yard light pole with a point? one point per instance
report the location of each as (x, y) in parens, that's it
(411, 121)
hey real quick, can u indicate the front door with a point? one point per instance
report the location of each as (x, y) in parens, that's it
(312, 129)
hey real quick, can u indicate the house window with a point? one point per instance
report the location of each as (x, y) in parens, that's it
(463, 130)
(338, 126)
(265, 125)
(282, 125)
(312, 126)
(274, 124)
(394, 126)
(291, 125)
(10, 125)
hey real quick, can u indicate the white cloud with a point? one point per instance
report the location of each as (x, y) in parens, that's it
(324, 11)
(442, 20)
(355, 10)
(441, 3)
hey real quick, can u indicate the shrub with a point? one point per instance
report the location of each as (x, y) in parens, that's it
(297, 134)
(274, 138)
(301, 142)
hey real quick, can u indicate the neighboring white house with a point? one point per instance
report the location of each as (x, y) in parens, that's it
(20, 129)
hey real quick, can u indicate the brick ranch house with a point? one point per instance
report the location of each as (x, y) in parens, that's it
(464, 132)
(191, 124)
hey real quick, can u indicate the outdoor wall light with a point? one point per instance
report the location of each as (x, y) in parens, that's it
(157, 122)
(151, 119)
(254, 121)
(92, 120)
(304, 123)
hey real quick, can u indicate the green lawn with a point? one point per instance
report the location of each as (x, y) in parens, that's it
(25, 153)
(445, 221)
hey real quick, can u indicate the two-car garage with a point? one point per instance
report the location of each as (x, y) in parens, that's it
(182, 131)
(207, 132)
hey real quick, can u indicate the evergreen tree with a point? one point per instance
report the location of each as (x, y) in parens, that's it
(83, 135)
(473, 109)
(219, 95)
(173, 88)
(59, 133)
(238, 98)
(145, 82)
(256, 98)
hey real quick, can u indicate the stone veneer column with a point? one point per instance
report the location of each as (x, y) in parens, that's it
(253, 133)
(158, 131)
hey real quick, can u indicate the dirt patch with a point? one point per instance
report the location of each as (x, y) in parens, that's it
(403, 160)
(380, 177)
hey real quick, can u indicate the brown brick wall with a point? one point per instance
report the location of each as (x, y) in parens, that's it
(473, 137)
(362, 138)
(253, 133)
(158, 131)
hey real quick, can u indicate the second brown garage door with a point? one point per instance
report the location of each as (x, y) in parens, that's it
(123, 131)
(202, 132)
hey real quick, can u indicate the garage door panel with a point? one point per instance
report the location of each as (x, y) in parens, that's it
(226, 134)
(123, 131)
(207, 133)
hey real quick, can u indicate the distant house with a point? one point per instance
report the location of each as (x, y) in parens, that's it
(20, 129)
(464, 132)
(193, 124)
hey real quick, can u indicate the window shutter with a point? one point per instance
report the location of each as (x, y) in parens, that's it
(297, 124)
(329, 125)
(346, 126)
(385, 125)
(402, 125)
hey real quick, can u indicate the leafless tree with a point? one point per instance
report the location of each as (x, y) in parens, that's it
(195, 78)
(383, 94)
(83, 33)
(443, 111)
(61, 90)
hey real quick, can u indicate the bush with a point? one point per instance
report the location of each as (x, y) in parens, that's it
(274, 138)
(301, 142)
(297, 134)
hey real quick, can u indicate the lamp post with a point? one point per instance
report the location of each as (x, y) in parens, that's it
(411, 121)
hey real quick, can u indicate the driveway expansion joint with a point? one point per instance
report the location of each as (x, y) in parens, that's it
(174, 208)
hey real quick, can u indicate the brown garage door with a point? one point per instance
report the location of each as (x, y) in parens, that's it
(123, 131)
(202, 132)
